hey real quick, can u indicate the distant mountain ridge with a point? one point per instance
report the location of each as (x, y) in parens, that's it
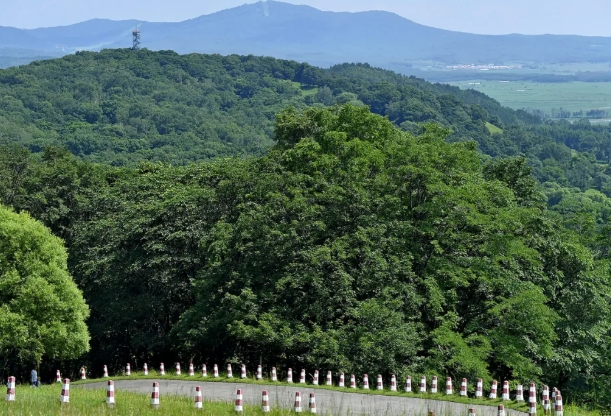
(306, 34)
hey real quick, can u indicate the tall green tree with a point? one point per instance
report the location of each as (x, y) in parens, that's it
(42, 312)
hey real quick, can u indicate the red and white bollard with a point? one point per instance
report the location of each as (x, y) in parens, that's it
(380, 383)
(243, 371)
(547, 407)
(191, 370)
(83, 375)
(229, 371)
(297, 402)
(505, 395)
(501, 410)
(302, 376)
(341, 380)
(559, 411)
(128, 370)
(312, 403)
(408, 384)
(110, 393)
(199, 403)
(155, 403)
(274, 375)
(65, 396)
(449, 390)
(145, 369)
(463, 387)
(352, 381)
(10, 389)
(265, 402)
(532, 399)
(216, 371)
(259, 372)
(161, 369)
(329, 379)
(58, 376)
(520, 393)
(471, 411)
(423, 384)
(479, 390)
(433, 385)
(545, 396)
(177, 369)
(493, 389)
(289, 376)
(365, 382)
(239, 401)
(204, 371)
(393, 383)
(105, 374)
(315, 379)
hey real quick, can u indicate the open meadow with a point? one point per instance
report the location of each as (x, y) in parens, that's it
(571, 96)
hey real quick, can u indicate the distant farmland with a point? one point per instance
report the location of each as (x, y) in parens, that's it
(571, 96)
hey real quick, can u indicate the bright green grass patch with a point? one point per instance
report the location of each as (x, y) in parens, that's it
(493, 129)
(44, 401)
(571, 96)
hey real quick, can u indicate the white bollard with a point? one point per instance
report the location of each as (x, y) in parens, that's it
(341, 380)
(302, 376)
(365, 382)
(216, 371)
(145, 369)
(259, 373)
(155, 403)
(191, 370)
(10, 389)
(393, 383)
(380, 383)
(449, 390)
(505, 395)
(408, 384)
(312, 403)
(265, 402)
(161, 369)
(243, 371)
(274, 375)
(65, 396)
(434, 385)
(479, 391)
(239, 402)
(128, 370)
(297, 402)
(229, 371)
(204, 371)
(315, 379)
(423, 384)
(110, 393)
(177, 369)
(289, 376)
(199, 403)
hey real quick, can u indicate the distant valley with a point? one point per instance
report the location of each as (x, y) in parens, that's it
(320, 38)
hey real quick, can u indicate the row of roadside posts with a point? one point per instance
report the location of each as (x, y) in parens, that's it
(547, 402)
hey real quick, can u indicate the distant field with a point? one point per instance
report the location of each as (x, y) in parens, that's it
(571, 96)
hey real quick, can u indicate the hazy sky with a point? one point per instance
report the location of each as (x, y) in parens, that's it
(585, 17)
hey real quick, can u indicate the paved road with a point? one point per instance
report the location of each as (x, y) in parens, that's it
(328, 402)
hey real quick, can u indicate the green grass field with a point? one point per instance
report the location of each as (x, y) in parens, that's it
(44, 401)
(571, 96)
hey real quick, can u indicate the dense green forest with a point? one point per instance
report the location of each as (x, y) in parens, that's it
(365, 221)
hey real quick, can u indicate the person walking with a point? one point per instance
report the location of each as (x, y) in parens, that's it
(34, 378)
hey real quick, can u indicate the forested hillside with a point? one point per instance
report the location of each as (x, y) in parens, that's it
(351, 244)
(418, 241)
(121, 107)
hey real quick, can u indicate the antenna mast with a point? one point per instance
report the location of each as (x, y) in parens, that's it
(136, 38)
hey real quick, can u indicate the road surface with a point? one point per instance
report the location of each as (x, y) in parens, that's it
(328, 402)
